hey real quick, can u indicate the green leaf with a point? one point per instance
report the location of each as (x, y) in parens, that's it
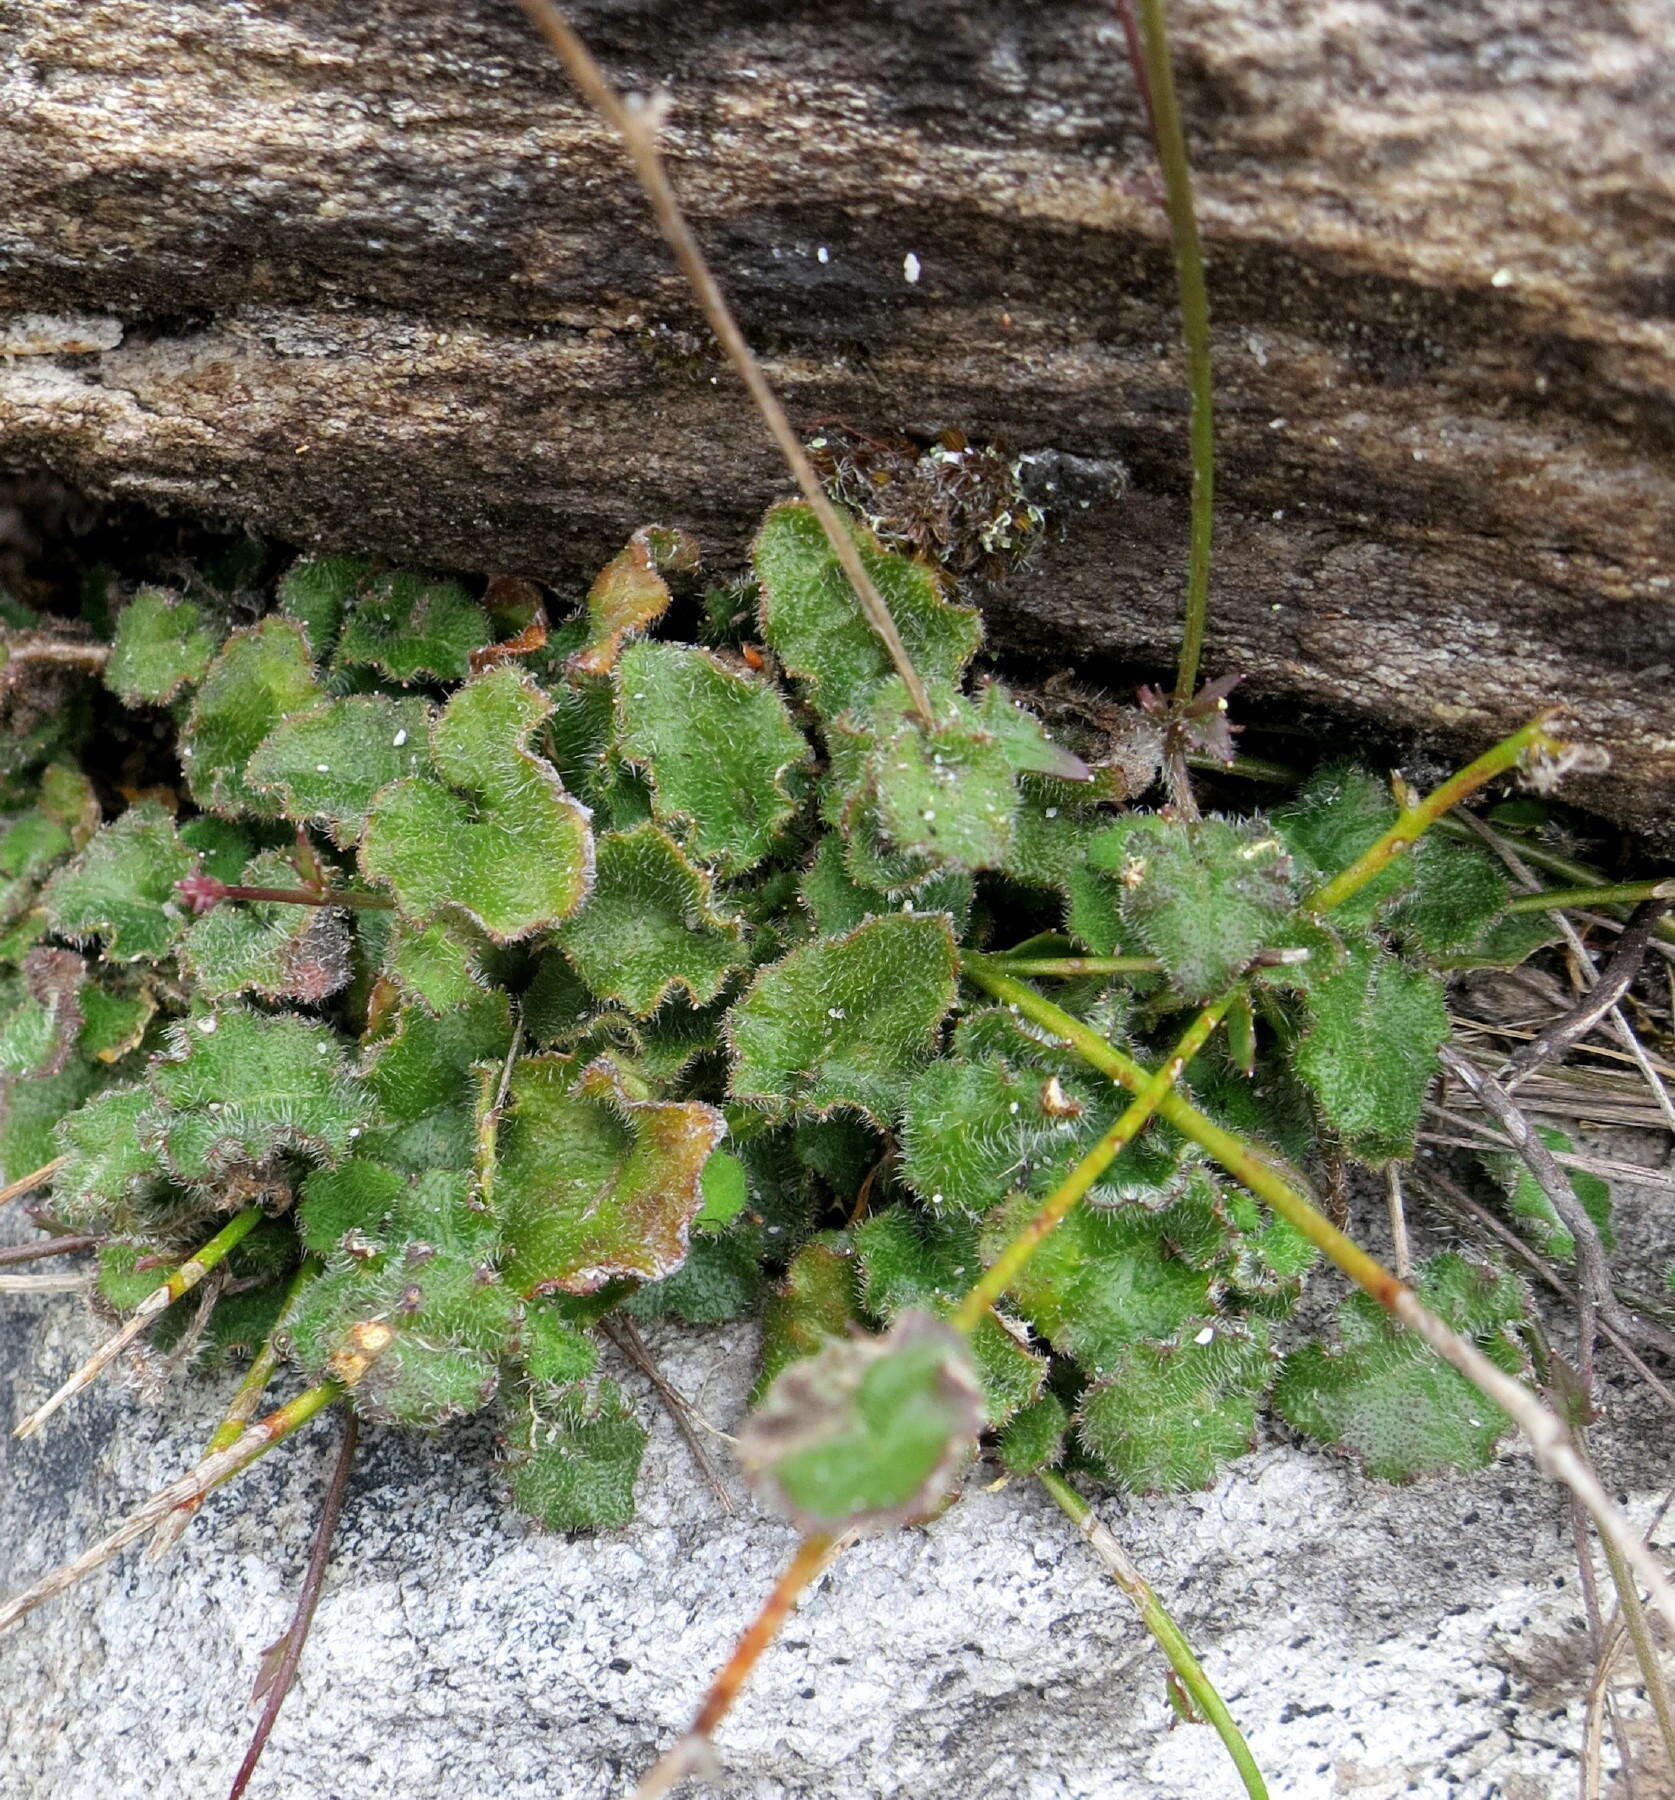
(410, 626)
(573, 1457)
(1383, 1397)
(550, 1346)
(1369, 1052)
(122, 887)
(1544, 1229)
(947, 794)
(502, 842)
(430, 1277)
(593, 1184)
(838, 903)
(1167, 1417)
(1458, 892)
(107, 1166)
(438, 965)
(1339, 812)
(113, 1023)
(817, 1302)
(268, 947)
(242, 1086)
(630, 595)
(324, 766)
(720, 1280)
(845, 1022)
(163, 644)
(262, 676)
(726, 1190)
(650, 926)
(1034, 1438)
(813, 620)
(1203, 897)
(423, 1077)
(716, 746)
(317, 590)
(33, 1108)
(40, 1028)
(913, 1263)
(969, 1128)
(1102, 1281)
(869, 1433)
(357, 1196)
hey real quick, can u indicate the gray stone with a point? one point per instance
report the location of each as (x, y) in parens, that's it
(1372, 1642)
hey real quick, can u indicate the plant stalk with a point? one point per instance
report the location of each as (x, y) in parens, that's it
(813, 1554)
(1165, 113)
(637, 126)
(27, 1184)
(241, 1409)
(189, 1488)
(296, 1634)
(1555, 1455)
(1157, 1621)
(181, 1281)
(1006, 1267)
(1588, 899)
(1416, 819)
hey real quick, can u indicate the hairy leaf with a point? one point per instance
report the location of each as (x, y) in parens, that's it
(630, 595)
(121, 888)
(242, 1086)
(1542, 1225)
(317, 591)
(268, 947)
(573, 1456)
(163, 644)
(716, 746)
(1386, 1399)
(845, 1022)
(1166, 1417)
(817, 1301)
(1102, 1281)
(263, 675)
(1202, 897)
(501, 842)
(1369, 1052)
(594, 1184)
(649, 926)
(812, 618)
(324, 766)
(409, 626)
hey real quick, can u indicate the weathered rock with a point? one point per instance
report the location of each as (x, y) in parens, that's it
(369, 274)
(1373, 1642)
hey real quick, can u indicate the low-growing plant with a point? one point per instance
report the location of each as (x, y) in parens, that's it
(462, 983)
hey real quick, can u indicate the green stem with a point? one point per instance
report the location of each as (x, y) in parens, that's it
(1555, 1454)
(161, 1297)
(241, 1409)
(1646, 1652)
(1080, 965)
(211, 1254)
(1617, 893)
(1416, 819)
(1251, 768)
(203, 1478)
(1163, 1628)
(1195, 328)
(363, 898)
(1006, 1267)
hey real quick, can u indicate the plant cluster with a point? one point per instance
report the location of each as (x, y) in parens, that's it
(497, 980)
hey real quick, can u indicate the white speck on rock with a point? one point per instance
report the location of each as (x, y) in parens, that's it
(910, 268)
